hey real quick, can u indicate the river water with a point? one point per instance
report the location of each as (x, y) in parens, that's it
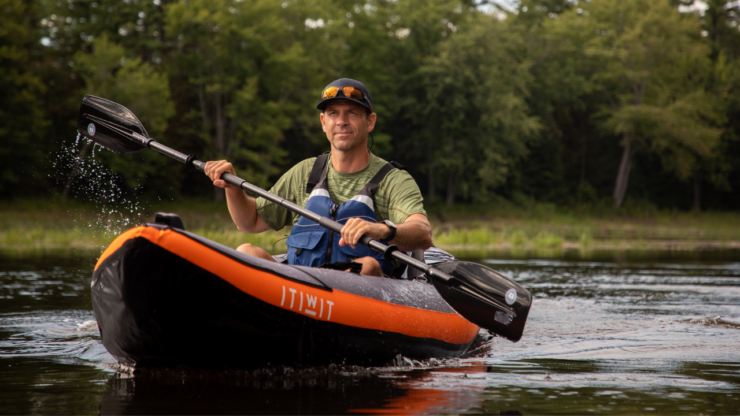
(607, 335)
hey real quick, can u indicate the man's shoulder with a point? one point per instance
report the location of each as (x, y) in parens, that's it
(393, 175)
(305, 163)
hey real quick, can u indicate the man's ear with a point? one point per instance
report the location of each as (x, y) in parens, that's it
(371, 119)
(323, 122)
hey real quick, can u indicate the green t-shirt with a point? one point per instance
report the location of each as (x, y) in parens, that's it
(397, 196)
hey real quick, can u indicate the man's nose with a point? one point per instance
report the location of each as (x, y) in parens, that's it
(342, 119)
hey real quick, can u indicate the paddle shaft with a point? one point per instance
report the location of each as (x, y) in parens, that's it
(330, 224)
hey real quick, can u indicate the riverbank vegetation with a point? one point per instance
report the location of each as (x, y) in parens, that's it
(55, 225)
(565, 102)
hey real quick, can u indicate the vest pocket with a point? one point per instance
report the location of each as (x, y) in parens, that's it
(302, 248)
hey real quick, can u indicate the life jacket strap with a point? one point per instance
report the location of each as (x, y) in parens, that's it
(319, 167)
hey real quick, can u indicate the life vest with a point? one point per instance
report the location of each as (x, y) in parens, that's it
(310, 244)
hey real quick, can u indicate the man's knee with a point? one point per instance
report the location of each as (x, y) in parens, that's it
(370, 266)
(254, 251)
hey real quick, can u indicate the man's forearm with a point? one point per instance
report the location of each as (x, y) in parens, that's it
(413, 235)
(243, 210)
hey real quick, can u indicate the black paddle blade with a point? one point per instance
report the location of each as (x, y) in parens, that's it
(487, 299)
(110, 125)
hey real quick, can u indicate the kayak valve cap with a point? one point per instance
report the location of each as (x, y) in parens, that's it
(168, 219)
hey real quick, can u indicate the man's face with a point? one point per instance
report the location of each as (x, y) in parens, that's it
(346, 125)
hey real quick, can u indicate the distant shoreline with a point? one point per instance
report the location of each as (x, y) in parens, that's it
(63, 226)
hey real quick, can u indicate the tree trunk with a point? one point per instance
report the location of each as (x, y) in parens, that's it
(624, 173)
(451, 189)
(697, 192)
(75, 170)
(430, 185)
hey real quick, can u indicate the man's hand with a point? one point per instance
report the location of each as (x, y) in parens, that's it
(243, 208)
(214, 170)
(355, 228)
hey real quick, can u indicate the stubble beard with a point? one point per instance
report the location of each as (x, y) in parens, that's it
(346, 146)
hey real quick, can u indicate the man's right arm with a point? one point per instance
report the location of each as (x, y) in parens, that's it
(243, 208)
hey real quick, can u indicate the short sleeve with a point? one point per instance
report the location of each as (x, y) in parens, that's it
(287, 187)
(398, 197)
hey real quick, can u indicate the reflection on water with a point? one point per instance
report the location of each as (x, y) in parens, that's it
(608, 337)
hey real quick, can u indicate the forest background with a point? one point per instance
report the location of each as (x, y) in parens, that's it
(609, 104)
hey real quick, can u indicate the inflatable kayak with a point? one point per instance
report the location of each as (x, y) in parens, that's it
(165, 297)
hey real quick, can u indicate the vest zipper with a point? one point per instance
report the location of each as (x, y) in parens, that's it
(333, 213)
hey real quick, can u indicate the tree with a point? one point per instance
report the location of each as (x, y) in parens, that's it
(109, 73)
(22, 115)
(720, 20)
(633, 44)
(477, 121)
(562, 96)
(249, 74)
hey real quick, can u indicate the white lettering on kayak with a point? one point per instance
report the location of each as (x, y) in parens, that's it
(292, 296)
(312, 301)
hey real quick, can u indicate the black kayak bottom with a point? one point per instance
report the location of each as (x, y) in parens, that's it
(170, 312)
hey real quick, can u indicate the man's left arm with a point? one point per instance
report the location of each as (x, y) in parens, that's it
(413, 234)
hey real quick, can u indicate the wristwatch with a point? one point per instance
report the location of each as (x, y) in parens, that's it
(393, 228)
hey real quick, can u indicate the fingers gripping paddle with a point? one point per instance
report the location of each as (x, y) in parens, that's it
(479, 294)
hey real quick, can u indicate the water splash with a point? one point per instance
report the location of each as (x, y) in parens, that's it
(82, 176)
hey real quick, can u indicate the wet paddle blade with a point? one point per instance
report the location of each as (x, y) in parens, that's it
(487, 299)
(109, 124)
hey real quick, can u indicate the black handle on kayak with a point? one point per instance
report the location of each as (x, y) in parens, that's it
(478, 293)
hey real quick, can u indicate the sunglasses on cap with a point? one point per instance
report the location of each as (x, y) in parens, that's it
(349, 92)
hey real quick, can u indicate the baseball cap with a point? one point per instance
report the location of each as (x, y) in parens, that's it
(346, 89)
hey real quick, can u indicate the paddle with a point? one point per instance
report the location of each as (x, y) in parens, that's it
(479, 294)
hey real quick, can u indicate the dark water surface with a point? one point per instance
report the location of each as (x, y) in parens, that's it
(605, 336)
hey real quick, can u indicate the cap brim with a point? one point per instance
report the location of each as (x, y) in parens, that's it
(322, 105)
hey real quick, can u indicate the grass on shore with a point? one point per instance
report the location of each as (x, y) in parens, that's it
(39, 225)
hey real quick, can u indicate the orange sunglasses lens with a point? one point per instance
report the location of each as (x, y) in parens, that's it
(349, 92)
(330, 93)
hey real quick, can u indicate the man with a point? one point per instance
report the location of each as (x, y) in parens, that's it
(360, 190)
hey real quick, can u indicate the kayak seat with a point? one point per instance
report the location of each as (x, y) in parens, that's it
(169, 219)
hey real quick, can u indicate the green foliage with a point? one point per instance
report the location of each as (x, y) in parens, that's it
(108, 72)
(21, 109)
(478, 121)
(249, 75)
(533, 111)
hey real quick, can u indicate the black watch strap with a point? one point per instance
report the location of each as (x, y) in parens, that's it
(393, 228)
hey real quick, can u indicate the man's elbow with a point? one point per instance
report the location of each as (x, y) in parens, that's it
(426, 241)
(245, 229)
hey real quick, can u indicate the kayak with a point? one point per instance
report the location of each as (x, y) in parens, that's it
(163, 296)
